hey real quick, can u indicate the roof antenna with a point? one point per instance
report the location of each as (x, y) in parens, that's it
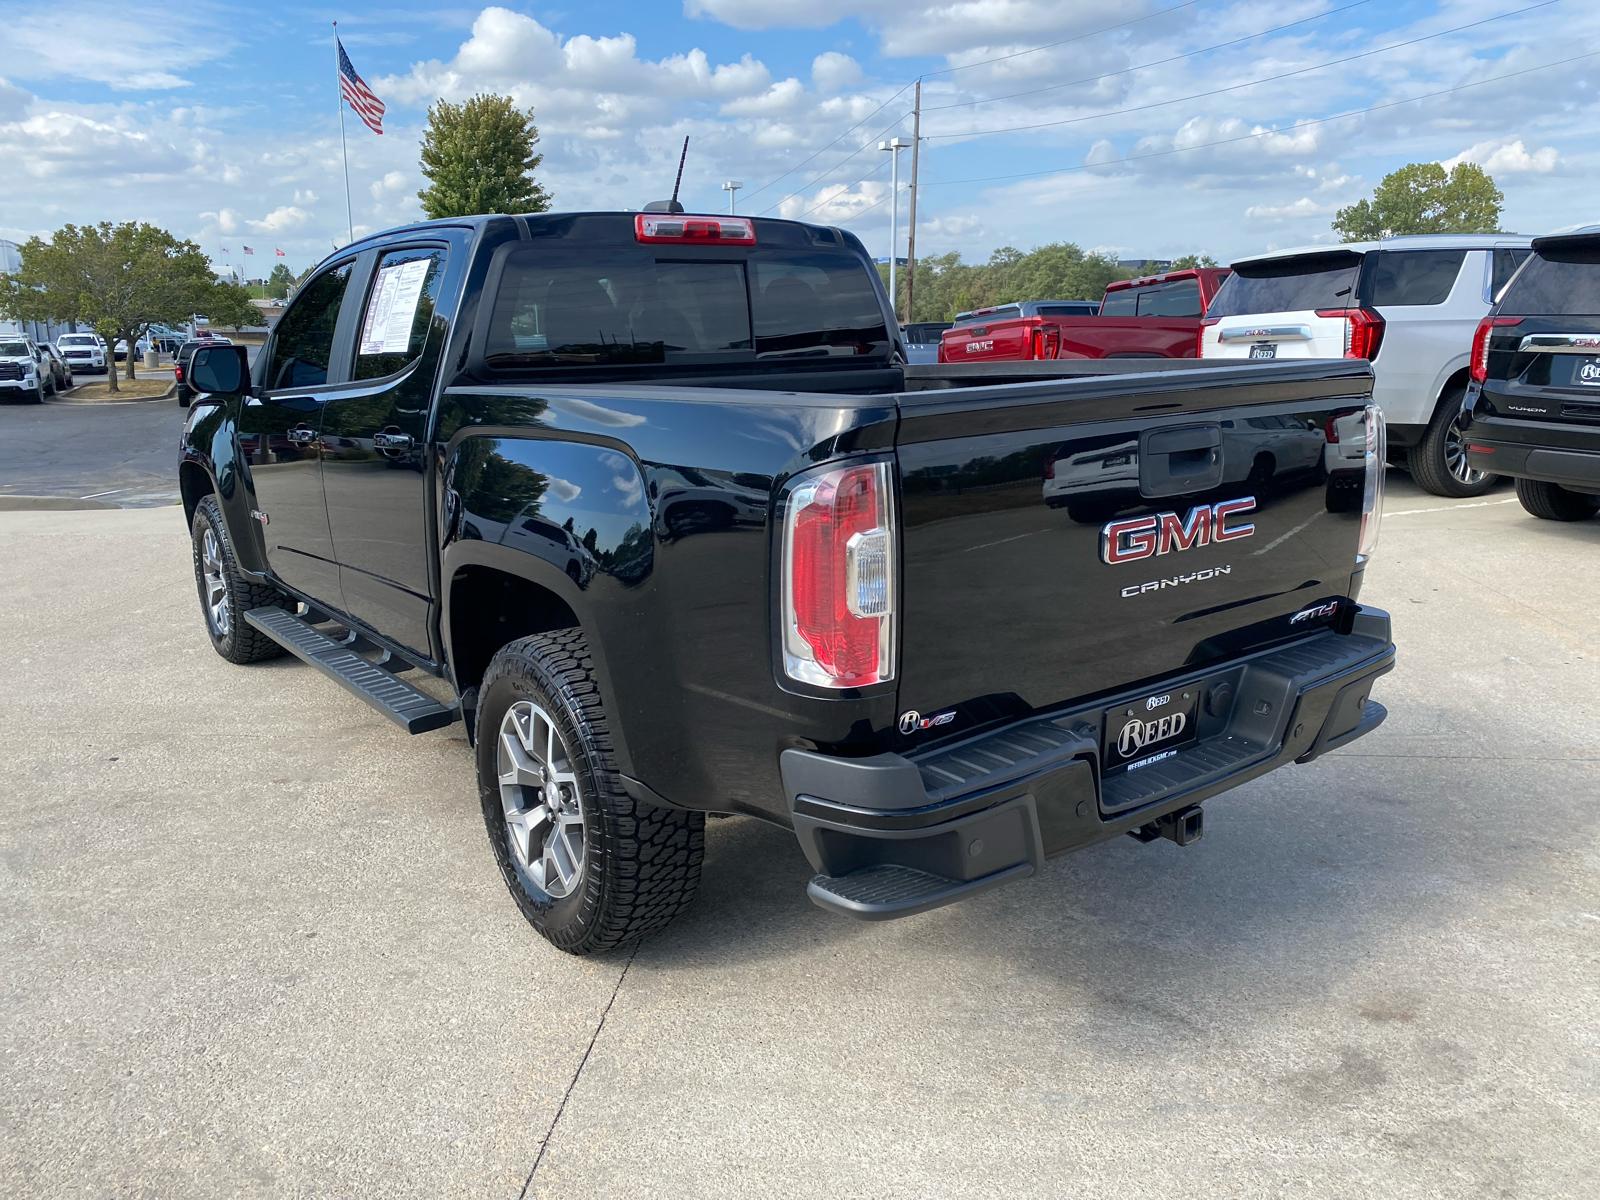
(672, 206)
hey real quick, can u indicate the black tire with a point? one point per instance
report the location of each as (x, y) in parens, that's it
(1552, 502)
(640, 864)
(231, 636)
(1439, 463)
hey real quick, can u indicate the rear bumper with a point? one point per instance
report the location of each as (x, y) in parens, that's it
(891, 835)
(1578, 470)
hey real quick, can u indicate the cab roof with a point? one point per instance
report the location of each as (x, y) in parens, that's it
(1415, 241)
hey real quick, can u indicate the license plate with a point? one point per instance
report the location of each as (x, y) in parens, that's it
(1264, 350)
(1587, 372)
(1150, 729)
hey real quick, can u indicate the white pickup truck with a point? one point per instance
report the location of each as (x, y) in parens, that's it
(1408, 304)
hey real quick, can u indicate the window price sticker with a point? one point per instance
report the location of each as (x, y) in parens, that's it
(393, 310)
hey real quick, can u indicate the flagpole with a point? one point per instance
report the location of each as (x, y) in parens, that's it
(338, 87)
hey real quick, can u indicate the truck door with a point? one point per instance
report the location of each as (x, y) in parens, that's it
(375, 434)
(279, 434)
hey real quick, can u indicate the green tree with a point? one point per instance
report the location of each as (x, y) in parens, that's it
(1191, 261)
(479, 157)
(119, 280)
(1421, 198)
(279, 282)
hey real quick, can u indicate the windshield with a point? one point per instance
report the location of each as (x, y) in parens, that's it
(1299, 284)
(13, 349)
(75, 339)
(1561, 282)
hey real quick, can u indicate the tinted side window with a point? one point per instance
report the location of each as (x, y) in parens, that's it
(1506, 263)
(399, 311)
(812, 305)
(303, 345)
(1562, 282)
(1180, 298)
(1289, 285)
(1405, 277)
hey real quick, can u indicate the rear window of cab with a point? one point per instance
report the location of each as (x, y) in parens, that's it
(626, 305)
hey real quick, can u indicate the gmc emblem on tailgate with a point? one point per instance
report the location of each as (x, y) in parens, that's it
(1134, 538)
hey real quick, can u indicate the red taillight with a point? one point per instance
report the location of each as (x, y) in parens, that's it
(838, 578)
(1330, 431)
(1200, 337)
(1479, 364)
(1047, 341)
(177, 372)
(1363, 331)
(662, 227)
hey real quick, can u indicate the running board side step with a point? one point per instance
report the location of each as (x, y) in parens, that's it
(412, 710)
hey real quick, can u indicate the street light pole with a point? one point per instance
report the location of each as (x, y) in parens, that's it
(732, 188)
(894, 147)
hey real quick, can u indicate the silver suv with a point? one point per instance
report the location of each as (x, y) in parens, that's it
(1409, 304)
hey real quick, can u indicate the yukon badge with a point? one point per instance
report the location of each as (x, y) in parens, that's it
(1133, 538)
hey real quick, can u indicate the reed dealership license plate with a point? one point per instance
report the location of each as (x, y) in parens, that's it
(1264, 350)
(1150, 729)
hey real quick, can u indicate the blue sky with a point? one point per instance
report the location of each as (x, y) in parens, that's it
(1159, 127)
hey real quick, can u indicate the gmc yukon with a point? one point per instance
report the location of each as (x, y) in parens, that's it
(654, 501)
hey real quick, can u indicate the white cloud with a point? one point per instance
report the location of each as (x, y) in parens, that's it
(226, 220)
(1507, 156)
(106, 43)
(281, 220)
(308, 196)
(390, 184)
(833, 71)
(1301, 208)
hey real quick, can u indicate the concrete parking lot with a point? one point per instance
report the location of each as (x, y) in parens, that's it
(255, 943)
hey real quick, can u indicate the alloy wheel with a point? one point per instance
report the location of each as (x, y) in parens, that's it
(1455, 456)
(539, 796)
(215, 582)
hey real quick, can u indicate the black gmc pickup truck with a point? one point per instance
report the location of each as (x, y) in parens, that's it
(656, 501)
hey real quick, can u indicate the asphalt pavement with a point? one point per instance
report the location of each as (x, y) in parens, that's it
(255, 943)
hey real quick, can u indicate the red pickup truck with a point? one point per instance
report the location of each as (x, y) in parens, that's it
(1155, 317)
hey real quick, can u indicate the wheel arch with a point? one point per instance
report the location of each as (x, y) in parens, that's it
(194, 483)
(490, 603)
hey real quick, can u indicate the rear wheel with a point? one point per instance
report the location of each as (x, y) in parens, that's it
(1439, 461)
(226, 593)
(1552, 502)
(590, 867)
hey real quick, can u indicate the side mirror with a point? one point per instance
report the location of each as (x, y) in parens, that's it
(218, 369)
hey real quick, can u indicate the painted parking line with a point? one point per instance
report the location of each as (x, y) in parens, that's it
(1411, 512)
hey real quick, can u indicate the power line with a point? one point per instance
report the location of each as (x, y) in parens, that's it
(1238, 86)
(951, 70)
(868, 144)
(835, 142)
(1064, 41)
(1160, 62)
(1355, 112)
(847, 187)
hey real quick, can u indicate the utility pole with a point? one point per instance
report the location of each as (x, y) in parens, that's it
(893, 147)
(911, 233)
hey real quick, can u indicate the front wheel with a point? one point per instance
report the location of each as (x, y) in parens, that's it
(590, 867)
(1439, 461)
(226, 593)
(1552, 502)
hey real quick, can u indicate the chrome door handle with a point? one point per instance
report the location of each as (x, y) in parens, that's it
(301, 436)
(391, 441)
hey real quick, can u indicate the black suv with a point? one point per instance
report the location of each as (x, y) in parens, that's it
(1532, 410)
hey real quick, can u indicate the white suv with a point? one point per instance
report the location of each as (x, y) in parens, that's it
(24, 372)
(1410, 304)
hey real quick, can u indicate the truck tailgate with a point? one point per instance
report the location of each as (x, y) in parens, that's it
(1014, 499)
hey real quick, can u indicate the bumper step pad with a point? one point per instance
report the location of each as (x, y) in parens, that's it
(412, 710)
(886, 891)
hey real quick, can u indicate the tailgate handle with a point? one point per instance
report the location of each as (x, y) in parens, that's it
(1175, 461)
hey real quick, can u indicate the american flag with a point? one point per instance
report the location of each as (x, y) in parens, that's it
(354, 89)
(247, 250)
